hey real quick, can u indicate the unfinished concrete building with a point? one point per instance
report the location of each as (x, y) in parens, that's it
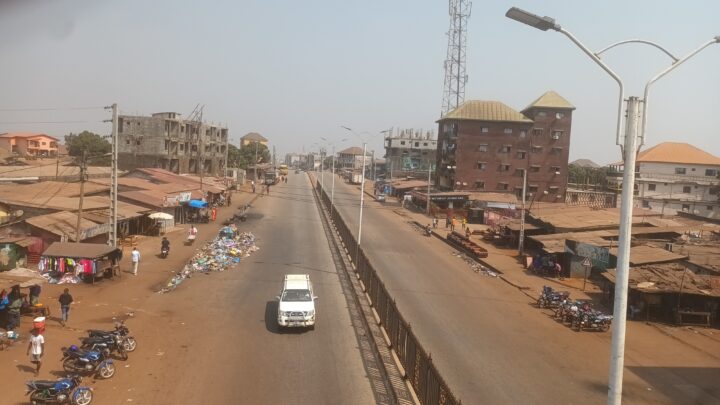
(166, 141)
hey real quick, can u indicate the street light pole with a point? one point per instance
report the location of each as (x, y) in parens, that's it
(635, 128)
(428, 193)
(521, 241)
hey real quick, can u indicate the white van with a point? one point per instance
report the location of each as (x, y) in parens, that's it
(296, 302)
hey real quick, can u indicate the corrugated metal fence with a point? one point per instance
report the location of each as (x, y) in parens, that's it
(424, 377)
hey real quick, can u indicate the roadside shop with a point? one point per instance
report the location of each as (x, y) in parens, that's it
(71, 263)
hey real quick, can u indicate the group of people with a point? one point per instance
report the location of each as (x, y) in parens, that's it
(546, 265)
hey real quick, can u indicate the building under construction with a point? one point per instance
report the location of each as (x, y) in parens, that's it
(166, 141)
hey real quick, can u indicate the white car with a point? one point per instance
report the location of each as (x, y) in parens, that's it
(296, 302)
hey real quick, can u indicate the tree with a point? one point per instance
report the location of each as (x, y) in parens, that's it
(245, 156)
(94, 144)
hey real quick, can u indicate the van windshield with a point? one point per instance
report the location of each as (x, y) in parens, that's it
(296, 295)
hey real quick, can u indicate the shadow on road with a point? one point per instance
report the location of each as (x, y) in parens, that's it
(26, 369)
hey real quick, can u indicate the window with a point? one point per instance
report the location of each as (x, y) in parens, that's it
(646, 204)
(182, 128)
(402, 142)
(680, 170)
(555, 169)
(417, 144)
(505, 149)
(533, 188)
(534, 169)
(502, 186)
(521, 154)
(651, 187)
(559, 115)
(556, 150)
(504, 167)
(557, 134)
(182, 146)
(686, 207)
(709, 207)
(127, 142)
(424, 143)
(480, 184)
(519, 172)
(481, 165)
(137, 142)
(482, 148)
(537, 131)
(687, 189)
(536, 149)
(484, 129)
(523, 134)
(44, 143)
(541, 114)
(507, 131)
(167, 144)
(711, 172)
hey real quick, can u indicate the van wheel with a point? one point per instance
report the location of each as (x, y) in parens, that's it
(311, 327)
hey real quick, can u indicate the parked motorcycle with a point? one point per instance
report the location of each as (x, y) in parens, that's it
(60, 391)
(550, 298)
(594, 320)
(113, 343)
(128, 342)
(87, 362)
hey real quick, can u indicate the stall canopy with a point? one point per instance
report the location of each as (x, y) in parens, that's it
(197, 204)
(67, 249)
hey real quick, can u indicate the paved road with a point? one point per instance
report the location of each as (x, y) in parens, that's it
(234, 348)
(493, 346)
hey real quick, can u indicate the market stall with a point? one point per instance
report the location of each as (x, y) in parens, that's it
(65, 262)
(197, 212)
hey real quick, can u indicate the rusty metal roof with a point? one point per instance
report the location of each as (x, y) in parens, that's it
(667, 278)
(61, 223)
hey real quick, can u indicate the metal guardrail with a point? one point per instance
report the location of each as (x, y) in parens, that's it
(429, 386)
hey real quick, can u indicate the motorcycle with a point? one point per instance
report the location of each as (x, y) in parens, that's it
(90, 362)
(550, 298)
(60, 391)
(164, 252)
(428, 231)
(128, 342)
(594, 320)
(112, 343)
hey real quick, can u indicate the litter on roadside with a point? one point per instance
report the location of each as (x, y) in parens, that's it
(225, 250)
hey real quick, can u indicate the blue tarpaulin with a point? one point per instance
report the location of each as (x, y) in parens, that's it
(197, 204)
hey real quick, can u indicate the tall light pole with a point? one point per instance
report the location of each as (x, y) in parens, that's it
(362, 183)
(634, 129)
(332, 190)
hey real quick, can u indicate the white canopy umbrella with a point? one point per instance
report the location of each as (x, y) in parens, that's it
(160, 215)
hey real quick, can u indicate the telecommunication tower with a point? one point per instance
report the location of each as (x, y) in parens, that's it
(455, 73)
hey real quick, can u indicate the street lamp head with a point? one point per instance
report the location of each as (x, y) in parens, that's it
(541, 23)
(717, 39)
(344, 127)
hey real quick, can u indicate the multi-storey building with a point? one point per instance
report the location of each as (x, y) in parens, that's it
(166, 141)
(409, 150)
(250, 138)
(675, 176)
(29, 144)
(487, 146)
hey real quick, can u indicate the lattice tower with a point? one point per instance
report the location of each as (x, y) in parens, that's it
(455, 71)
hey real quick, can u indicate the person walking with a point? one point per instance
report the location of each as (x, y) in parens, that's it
(452, 224)
(36, 348)
(65, 300)
(435, 223)
(464, 223)
(213, 214)
(4, 302)
(252, 183)
(447, 222)
(558, 271)
(135, 257)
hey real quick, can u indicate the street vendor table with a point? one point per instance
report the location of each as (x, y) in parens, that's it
(105, 258)
(703, 318)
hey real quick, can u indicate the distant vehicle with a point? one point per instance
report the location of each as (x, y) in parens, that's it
(271, 177)
(355, 178)
(297, 171)
(296, 302)
(283, 169)
(381, 197)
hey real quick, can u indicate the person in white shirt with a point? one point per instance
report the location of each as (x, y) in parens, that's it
(36, 348)
(135, 260)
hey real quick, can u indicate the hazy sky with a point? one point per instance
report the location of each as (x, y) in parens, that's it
(296, 71)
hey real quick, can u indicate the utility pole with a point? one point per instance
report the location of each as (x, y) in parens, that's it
(255, 163)
(273, 156)
(428, 194)
(521, 242)
(112, 235)
(201, 152)
(83, 167)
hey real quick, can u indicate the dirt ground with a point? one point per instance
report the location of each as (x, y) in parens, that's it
(129, 297)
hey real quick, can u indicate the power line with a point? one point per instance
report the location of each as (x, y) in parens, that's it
(50, 109)
(46, 122)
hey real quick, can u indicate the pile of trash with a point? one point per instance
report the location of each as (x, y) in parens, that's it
(475, 266)
(225, 250)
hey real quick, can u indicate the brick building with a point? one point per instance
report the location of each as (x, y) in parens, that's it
(166, 141)
(486, 146)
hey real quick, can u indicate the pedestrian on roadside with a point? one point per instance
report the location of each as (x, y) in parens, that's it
(435, 223)
(267, 190)
(65, 300)
(252, 183)
(135, 256)
(4, 302)
(447, 222)
(464, 223)
(213, 213)
(453, 222)
(558, 271)
(468, 232)
(34, 294)
(36, 348)
(13, 309)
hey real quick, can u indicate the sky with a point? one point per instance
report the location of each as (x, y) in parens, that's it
(296, 71)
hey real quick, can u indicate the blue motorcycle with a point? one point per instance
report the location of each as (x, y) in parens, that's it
(60, 391)
(88, 362)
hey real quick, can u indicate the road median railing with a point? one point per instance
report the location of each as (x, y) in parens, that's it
(420, 371)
